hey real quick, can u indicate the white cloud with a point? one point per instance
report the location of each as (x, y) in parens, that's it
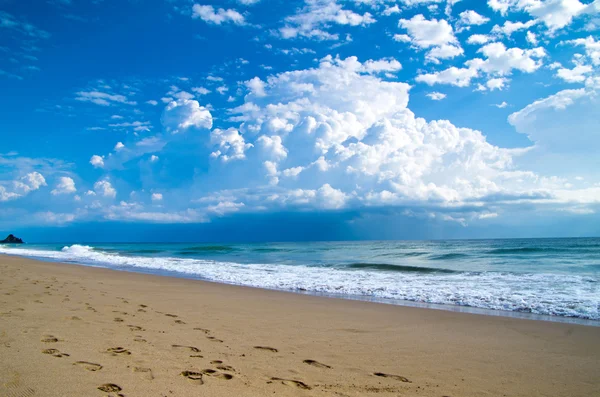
(470, 17)
(248, 2)
(499, 61)
(434, 34)
(531, 38)
(592, 48)
(65, 185)
(97, 161)
(201, 90)
(575, 75)
(502, 61)
(32, 181)
(23, 186)
(5, 195)
(104, 188)
(381, 66)
(478, 39)
(460, 77)
(225, 207)
(428, 33)
(317, 15)
(555, 14)
(152, 102)
(157, 197)
(256, 86)
(391, 10)
(445, 51)
(208, 14)
(510, 27)
(154, 158)
(501, 105)
(183, 114)
(231, 145)
(558, 101)
(436, 96)
(102, 98)
(403, 38)
(496, 84)
(119, 146)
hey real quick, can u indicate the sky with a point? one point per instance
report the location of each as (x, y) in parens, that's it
(262, 120)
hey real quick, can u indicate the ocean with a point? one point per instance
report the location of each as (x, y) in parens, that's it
(517, 277)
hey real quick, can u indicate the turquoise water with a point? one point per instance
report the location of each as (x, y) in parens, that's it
(556, 277)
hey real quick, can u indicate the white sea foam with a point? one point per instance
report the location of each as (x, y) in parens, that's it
(551, 294)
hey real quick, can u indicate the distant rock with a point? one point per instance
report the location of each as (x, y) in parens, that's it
(11, 239)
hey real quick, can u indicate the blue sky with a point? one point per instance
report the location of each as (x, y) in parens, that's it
(312, 119)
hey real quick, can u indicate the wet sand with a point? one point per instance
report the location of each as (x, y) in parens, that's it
(69, 330)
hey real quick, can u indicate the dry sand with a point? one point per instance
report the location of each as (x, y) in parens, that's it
(68, 330)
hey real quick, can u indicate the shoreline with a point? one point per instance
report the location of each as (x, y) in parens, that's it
(66, 330)
(394, 302)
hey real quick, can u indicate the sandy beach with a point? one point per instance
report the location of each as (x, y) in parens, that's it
(69, 330)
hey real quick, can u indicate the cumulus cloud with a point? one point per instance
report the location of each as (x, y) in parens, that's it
(157, 197)
(437, 35)
(499, 61)
(316, 16)
(555, 14)
(436, 96)
(592, 48)
(471, 17)
(97, 161)
(478, 39)
(209, 14)
(65, 185)
(336, 136)
(183, 114)
(231, 145)
(22, 186)
(104, 188)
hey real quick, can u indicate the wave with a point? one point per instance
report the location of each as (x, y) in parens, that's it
(209, 248)
(269, 250)
(397, 268)
(405, 254)
(449, 256)
(568, 295)
(523, 250)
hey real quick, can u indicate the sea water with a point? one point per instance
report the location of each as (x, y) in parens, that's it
(554, 277)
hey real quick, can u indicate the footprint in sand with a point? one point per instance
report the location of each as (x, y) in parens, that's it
(271, 349)
(88, 366)
(171, 315)
(179, 322)
(55, 353)
(291, 382)
(49, 339)
(217, 374)
(146, 373)
(192, 348)
(202, 329)
(135, 328)
(396, 377)
(228, 368)
(118, 320)
(316, 364)
(138, 338)
(109, 388)
(118, 351)
(213, 339)
(194, 377)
